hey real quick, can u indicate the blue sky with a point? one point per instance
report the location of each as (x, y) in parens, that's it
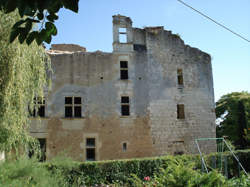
(92, 28)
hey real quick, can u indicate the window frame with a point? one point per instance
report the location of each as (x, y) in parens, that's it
(124, 69)
(125, 104)
(90, 147)
(73, 105)
(180, 78)
(123, 34)
(38, 102)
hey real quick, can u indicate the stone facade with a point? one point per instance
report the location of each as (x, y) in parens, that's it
(163, 74)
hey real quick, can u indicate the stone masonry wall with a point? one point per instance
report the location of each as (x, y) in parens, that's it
(152, 129)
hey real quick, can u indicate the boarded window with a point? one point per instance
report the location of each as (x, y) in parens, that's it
(90, 149)
(122, 35)
(73, 107)
(125, 106)
(180, 77)
(180, 111)
(39, 110)
(124, 70)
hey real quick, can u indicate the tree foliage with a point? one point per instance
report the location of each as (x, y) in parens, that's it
(36, 11)
(234, 112)
(22, 76)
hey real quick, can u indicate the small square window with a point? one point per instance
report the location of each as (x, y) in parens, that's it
(90, 142)
(123, 64)
(39, 109)
(77, 100)
(124, 99)
(125, 110)
(68, 100)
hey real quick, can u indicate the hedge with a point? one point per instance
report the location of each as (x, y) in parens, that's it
(109, 172)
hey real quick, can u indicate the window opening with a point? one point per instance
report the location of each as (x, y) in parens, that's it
(122, 35)
(73, 107)
(180, 111)
(42, 145)
(124, 70)
(125, 106)
(124, 146)
(90, 149)
(39, 109)
(180, 77)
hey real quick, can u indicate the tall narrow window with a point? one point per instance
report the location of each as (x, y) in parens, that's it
(90, 149)
(39, 109)
(73, 107)
(180, 111)
(124, 70)
(180, 77)
(124, 146)
(125, 106)
(122, 35)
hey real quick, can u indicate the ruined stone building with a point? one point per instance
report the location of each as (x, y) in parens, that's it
(153, 95)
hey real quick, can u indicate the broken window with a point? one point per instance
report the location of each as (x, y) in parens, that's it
(122, 35)
(180, 111)
(180, 77)
(73, 107)
(39, 109)
(125, 106)
(90, 149)
(124, 70)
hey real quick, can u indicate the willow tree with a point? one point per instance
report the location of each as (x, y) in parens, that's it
(22, 76)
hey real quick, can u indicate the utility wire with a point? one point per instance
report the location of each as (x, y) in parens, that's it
(214, 21)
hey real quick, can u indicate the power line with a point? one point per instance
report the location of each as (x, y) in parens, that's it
(214, 21)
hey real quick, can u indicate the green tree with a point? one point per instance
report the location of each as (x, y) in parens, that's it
(22, 76)
(233, 112)
(36, 11)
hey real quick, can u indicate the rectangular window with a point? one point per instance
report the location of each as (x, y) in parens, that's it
(180, 111)
(180, 77)
(73, 107)
(124, 70)
(42, 145)
(90, 149)
(122, 35)
(125, 106)
(39, 109)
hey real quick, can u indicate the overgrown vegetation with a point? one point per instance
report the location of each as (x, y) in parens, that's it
(233, 115)
(172, 171)
(22, 76)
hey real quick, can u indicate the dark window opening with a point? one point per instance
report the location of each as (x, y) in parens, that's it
(90, 142)
(78, 111)
(123, 64)
(73, 107)
(125, 99)
(125, 106)
(90, 154)
(124, 74)
(39, 110)
(42, 145)
(180, 111)
(68, 100)
(180, 77)
(77, 100)
(124, 146)
(68, 112)
(124, 70)
(90, 149)
(140, 48)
